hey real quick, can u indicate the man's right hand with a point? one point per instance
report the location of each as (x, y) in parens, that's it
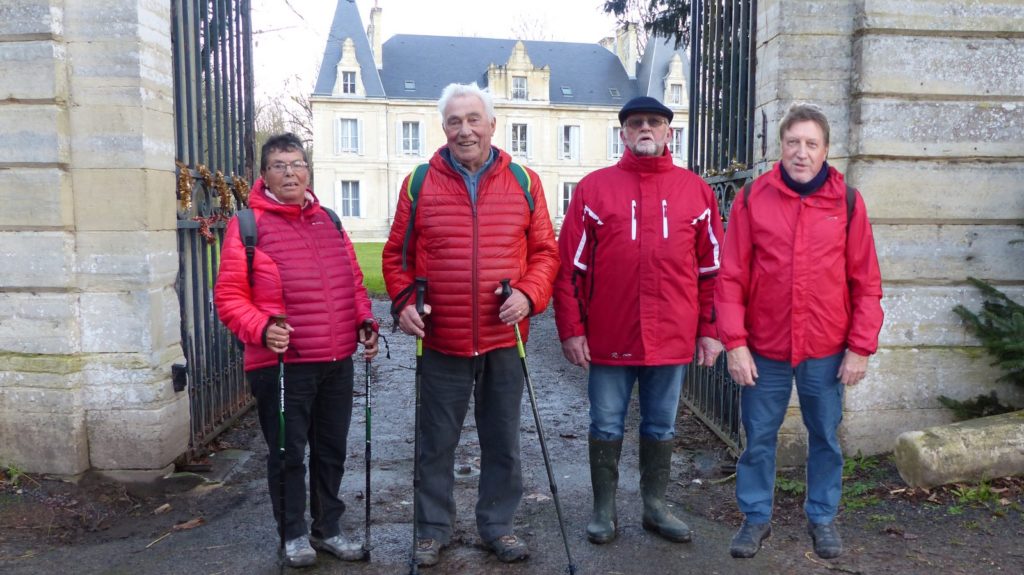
(577, 351)
(411, 323)
(741, 365)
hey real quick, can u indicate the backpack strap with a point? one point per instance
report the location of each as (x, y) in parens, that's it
(412, 189)
(523, 177)
(851, 200)
(247, 230)
(334, 218)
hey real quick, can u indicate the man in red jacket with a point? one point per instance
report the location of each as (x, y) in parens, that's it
(633, 299)
(473, 227)
(798, 295)
(304, 269)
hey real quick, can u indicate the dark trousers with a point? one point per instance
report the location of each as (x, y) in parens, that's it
(318, 411)
(495, 381)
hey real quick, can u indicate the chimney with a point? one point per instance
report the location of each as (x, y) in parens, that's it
(375, 34)
(626, 48)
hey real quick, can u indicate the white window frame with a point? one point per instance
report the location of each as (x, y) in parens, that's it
(341, 146)
(569, 149)
(344, 205)
(520, 92)
(348, 82)
(516, 144)
(675, 93)
(677, 143)
(616, 147)
(564, 199)
(406, 145)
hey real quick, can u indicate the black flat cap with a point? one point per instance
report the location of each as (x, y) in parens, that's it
(644, 104)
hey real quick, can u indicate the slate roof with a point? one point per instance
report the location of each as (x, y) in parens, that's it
(654, 66)
(348, 24)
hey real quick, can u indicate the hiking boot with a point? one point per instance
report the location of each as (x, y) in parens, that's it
(339, 547)
(428, 552)
(509, 549)
(298, 553)
(604, 479)
(827, 542)
(747, 541)
(655, 464)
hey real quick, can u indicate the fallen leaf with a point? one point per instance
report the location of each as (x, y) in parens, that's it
(190, 524)
(162, 509)
(537, 497)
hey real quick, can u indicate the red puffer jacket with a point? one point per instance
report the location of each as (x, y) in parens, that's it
(465, 250)
(640, 251)
(795, 283)
(302, 268)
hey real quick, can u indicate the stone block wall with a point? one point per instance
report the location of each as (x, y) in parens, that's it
(88, 313)
(926, 105)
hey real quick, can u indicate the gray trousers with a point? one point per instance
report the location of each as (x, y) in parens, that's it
(495, 381)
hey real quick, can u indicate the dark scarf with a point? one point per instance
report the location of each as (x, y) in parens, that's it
(810, 187)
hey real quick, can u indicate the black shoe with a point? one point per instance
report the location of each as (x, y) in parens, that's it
(747, 541)
(509, 548)
(428, 552)
(827, 542)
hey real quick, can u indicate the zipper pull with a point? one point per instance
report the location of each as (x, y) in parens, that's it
(634, 220)
(664, 219)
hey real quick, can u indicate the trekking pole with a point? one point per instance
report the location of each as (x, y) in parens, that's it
(506, 291)
(421, 296)
(279, 320)
(366, 537)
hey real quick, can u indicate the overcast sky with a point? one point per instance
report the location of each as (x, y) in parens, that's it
(289, 36)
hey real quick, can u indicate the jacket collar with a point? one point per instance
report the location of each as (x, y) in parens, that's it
(259, 199)
(635, 163)
(834, 186)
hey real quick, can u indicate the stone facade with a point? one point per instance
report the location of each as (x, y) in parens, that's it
(89, 321)
(926, 108)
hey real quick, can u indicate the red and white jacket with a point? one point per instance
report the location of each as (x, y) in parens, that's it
(302, 268)
(640, 251)
(796, 282)
(465, 250)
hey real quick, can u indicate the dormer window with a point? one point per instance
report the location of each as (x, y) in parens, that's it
(567, 91)
(614, 92)
(519, 91)
(348, 82)
(410, 85)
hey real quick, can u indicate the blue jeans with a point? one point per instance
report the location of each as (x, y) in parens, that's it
(763, 408)
(610, 387)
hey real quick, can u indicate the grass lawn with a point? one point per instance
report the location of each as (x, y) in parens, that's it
(368, 254)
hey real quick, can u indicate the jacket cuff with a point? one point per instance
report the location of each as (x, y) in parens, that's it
(733, 344)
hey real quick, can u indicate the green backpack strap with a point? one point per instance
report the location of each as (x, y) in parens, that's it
(523, 177)
(412, 189)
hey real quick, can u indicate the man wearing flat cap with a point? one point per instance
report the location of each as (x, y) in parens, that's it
(639, 253)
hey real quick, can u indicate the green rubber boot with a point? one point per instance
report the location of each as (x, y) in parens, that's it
(604, 478)
(655, 463)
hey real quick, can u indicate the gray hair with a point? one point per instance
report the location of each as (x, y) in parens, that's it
(456, 90)
(803, 112)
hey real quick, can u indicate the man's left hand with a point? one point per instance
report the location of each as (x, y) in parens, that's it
(853, 368)
(708, 349)
(515, 309)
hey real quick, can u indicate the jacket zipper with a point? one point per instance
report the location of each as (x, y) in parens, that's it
(664, 219)
(634, 221)
(476, 280)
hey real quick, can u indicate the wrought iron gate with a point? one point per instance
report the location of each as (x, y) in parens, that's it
(721, 150)
(214, 135)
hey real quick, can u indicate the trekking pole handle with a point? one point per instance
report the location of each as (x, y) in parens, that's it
(506, 289)
(279, 319)
(421, 294)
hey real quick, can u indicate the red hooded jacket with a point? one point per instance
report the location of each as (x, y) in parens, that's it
(465, 250)
(797, 282)
(640, 251)
(302, 268)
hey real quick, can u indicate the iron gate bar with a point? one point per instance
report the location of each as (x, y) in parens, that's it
(214, 135)
(722, 64)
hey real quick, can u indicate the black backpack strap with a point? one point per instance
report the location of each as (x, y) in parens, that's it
(247, 231)
(851, 200)
(334, 218)
(746, 193)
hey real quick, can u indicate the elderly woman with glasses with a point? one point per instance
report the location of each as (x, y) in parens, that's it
(298, 303)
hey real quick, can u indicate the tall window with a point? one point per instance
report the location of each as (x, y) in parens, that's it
(567, 190)
(346, 198)
(348, 82)
(677, 145)
(675, 94)
(411, 138)
(347, 136)
(615, 146)
(520, 140)
(519, 88)
(569, 143)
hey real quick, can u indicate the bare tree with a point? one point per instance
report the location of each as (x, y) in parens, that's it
(529, 27)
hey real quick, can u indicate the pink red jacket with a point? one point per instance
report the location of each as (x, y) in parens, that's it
(302, 268)
(796, 282)
(465, 250)
(640, 251)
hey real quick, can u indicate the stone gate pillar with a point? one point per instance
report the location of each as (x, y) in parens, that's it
(89, 321)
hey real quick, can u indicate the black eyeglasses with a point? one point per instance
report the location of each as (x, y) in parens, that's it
(638, 122)
(281, 167)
